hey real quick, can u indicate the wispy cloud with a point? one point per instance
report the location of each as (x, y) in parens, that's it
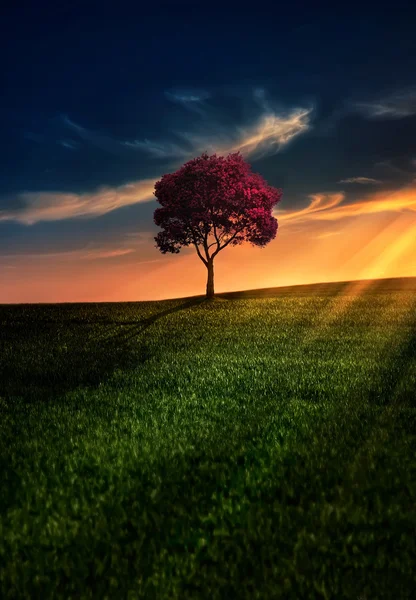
(140, 237)
(99, 254)
(72, 255)
(388, 164)
(70, 144)
(99, 140)
(192, 100)
(267, 133)
(329, 206)
(318, 204)
(81, 254)
(134, 242)
(272, 132)
(51, 206)
(397, 105)
(363, 180)
(159, 149)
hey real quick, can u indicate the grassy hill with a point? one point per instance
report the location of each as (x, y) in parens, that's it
(260, 445)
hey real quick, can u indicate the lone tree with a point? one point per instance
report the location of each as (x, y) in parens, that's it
(212, 202)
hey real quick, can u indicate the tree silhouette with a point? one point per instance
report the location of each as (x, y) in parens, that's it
(212, 202)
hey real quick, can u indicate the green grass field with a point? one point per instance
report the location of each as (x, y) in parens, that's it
(260, 445)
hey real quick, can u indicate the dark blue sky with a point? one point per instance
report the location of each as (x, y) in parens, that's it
(100, 95)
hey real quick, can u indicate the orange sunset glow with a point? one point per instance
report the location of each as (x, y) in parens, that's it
(325, 241)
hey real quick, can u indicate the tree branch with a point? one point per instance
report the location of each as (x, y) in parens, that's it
(196, 247)
(228, 241)
(216, 235)
(217, 242)
(206, 246)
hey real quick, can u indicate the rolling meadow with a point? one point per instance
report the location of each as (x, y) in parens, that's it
(258, 445)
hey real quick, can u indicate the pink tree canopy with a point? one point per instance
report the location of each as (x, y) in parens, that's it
(212, 202)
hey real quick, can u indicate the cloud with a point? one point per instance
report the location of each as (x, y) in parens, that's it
(272, 132)
(70, 144)
(397, 105)
(108, 144)
(329, 207)
(140, 237)
(134, 242)
(388, 164)
(363, 180)
(55, 206)
(99, 254)
(102, 141)
(268, 132)
(265, 137)
(192, 100)
(402, 172)
(73, 255)
(318, 203)
(159, 149)
(83, 254)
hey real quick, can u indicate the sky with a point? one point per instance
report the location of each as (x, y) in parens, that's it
(99, 100)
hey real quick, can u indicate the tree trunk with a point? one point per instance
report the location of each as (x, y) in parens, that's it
(210, 282)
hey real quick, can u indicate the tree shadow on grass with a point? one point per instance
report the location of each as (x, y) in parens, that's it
(44, 358)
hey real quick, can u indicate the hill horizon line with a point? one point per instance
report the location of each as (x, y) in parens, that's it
(388, 284)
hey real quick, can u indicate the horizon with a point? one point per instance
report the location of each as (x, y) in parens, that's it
(352, 285)
(88, 128)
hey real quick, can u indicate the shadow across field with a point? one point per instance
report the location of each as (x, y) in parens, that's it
(47, 352)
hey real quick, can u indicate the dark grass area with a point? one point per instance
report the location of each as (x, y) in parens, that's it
(246, 447)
